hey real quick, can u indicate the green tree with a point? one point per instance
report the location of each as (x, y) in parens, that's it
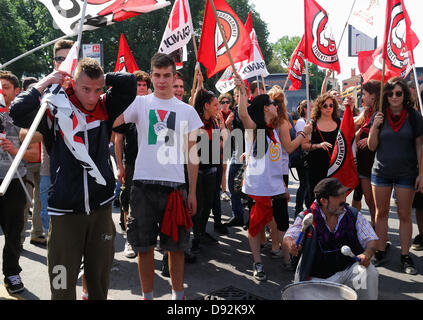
(283, 49)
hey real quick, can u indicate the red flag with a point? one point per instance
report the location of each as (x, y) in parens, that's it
(320, 47)
(399, 40)
(342, 164)
(125, 60)
(212, 52)
(296, 66)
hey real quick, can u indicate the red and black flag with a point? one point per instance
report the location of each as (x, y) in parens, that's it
(125, 60)
(320, 47)
(212, 51)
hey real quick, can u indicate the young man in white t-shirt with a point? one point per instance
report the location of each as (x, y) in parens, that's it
(163, 125)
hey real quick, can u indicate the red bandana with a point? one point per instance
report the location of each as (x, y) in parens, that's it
(396, 121)
(270, 133)
(99, 112)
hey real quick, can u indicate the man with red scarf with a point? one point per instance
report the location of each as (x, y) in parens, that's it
(82, 190)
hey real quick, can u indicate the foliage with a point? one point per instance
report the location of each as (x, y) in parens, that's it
(26, 24)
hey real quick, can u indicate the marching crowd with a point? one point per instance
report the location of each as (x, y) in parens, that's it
(172, 164)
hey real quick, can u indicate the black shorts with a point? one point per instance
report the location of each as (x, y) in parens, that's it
(147, 207)
(280, 212)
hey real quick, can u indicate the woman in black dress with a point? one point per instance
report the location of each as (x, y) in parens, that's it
(324, 116)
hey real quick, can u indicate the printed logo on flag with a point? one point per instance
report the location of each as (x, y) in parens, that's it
(231, 28)
(160, 121)
(396, 47)
(324, 47)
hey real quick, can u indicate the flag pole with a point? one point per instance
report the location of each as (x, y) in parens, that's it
(382, 84)
(307, 90)
(417, 88)
(32, 51)
(264, 85)
(346, 24)
(286, 81)
(81, 27)
(222, 33)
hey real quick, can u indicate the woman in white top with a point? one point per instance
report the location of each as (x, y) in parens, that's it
(263, 177)
(283, 127)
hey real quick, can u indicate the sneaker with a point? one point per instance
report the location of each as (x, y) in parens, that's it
(165, 266)
(129, 252)
(220, 228)
(380, 258)
(418, 243)
(276, 254)
(13, 284)
(407, 265)
(259, 273)
(225, 196)
(235, 222)
(41, 240)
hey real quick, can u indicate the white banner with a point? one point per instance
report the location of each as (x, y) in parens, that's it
(179, 28)
(363, 18)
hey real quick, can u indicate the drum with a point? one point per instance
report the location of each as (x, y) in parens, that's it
(318, 290)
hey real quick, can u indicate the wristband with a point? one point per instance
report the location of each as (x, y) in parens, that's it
(302, 133)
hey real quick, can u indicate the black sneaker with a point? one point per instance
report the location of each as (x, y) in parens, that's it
(380, 258)
(418, 243)
(235, 222)
(220, 228)
(258, 272)
(165, 266)
(13, 284)
(407, 265)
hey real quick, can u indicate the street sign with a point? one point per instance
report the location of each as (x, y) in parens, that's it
(359, 41)
(94, 51)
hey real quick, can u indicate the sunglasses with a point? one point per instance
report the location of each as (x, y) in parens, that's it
(225, 102)
(59, 59)
(397, 94)
(325, 106)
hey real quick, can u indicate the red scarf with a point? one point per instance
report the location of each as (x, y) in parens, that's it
(396, 121)
(99, 112)
(176, 215)
(270, 133)
(209, 125)
(365, 126)
(226, 114)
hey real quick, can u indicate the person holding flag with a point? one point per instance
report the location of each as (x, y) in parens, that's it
(398, 127)
(325, 120)
(76, 131)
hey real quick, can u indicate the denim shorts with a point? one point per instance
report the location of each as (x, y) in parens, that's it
(147, 206)
(400, 182)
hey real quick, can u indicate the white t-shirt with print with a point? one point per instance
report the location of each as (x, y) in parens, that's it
(162, 126)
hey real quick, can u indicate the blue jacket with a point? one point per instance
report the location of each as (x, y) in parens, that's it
(72, 189)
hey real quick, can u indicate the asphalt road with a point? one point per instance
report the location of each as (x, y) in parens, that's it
(225, 264)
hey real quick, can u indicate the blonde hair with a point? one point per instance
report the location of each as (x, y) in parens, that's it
(277, 95)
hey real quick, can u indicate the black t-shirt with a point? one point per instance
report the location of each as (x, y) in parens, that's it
(130, 142)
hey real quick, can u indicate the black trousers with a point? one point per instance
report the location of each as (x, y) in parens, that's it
(12, 207)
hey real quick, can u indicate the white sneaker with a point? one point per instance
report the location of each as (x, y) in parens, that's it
(129, 252)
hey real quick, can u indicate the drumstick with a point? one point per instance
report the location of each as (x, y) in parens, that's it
(346, 251)
(307, 221)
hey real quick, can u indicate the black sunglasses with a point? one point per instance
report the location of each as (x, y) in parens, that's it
(225, 102)
(325, 106)
(397, 94)
(59, 59)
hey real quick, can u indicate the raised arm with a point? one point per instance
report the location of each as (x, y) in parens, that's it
(242, 106)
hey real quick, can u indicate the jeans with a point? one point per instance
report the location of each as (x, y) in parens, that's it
(237, 208)
(44, 186)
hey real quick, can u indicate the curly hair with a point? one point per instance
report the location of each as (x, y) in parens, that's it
(143, 76)
(390, 85)
(277, 95)
(316, 112)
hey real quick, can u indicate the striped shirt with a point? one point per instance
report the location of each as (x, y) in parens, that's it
(365, 232)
